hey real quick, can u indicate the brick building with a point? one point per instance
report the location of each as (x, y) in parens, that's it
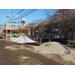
(51, 32)
(58, 28)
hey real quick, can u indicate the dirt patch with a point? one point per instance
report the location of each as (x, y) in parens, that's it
(16, 47)
(11, 48)
(58, 58)
(28, 61)
(15, 54)
(25, 60)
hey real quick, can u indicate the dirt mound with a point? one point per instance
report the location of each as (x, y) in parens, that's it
(57, 52)
(52, 47)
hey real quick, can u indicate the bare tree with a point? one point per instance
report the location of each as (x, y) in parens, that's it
(37, 21)
(63, 14)
(49, 13)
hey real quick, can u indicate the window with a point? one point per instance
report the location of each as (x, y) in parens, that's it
(59, 26)
(69, 26)
(52, 27)
(49, 34)
(42, 34)
(47, 28)
(70, 33)
(46, 34)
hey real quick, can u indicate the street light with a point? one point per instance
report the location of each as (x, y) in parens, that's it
(12, 22)
(3, 23)
(7, 23)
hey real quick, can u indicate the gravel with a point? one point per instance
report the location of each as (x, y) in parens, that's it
(52, 47)
(56, 48)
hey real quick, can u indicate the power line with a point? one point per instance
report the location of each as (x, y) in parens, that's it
(19, 11)
(16, 10)
(22, 14)
(26, 14)
(12, 11)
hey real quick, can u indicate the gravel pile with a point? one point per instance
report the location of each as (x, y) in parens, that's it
(52, 47)
(22, 39)
(56, 48)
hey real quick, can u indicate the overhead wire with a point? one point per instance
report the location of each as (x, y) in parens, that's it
(16, 10)
(19, 11)
(25, 14)
(12, 11)
(22, 14)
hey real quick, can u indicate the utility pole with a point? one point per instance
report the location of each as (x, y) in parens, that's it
(1, 28)
(18, 24)
(11, 27)
(7, 24)
(6, 27)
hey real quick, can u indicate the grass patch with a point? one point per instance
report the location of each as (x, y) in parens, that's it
(71, 47)
(71, 41)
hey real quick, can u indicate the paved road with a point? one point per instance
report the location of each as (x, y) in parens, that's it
(22, 56)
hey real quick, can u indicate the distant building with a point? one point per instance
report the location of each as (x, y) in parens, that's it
(16, 29)
(58, 29)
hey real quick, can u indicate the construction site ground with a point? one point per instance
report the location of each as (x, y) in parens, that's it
(22, 54)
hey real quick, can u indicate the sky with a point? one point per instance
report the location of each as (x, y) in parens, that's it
(38, 14)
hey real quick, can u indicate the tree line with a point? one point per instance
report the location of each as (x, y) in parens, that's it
(57, 15)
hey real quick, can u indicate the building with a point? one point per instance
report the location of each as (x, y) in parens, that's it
(17, 29)
(9, 30)
(51, 32)
(58, 28)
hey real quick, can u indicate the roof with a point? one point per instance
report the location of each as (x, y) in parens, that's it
(36, 24)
